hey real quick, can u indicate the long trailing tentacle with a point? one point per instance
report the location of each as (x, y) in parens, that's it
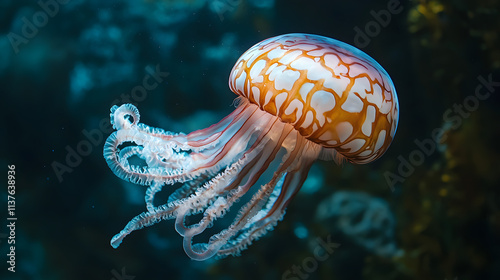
(243, 146)
(270, 203)
(203, 251)
(204, 196)
(193, 204)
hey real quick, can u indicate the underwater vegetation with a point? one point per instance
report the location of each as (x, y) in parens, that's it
(447, 210)
(367, 220)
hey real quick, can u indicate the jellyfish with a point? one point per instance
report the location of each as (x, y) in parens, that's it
(301, 97)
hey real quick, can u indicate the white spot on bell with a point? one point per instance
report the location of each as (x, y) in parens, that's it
(302, 63)
(393, 127)
(259, 79)
(327, 135)
(352, 104)
(271, 68)
(248, 54)
(332, 142)
(322, 101)
(365, 153)
(344, 130)
(280, 98)
(361, 86)
(305, 89)
(295, 104)
(256, 94)
(337, 85)
(318, 72)
(357, 69)
(354, 145)
(240, 81)
(269, 94)
(308, 121)
(286, 80)
(386, 107)
(319, 52)
(257, 68)
(254, 56)
(278, 52)
(340, 70)
(276, 72)
(366, 128)
(331, 61)
(290, 57)
(306, 47)
(380, 140)
(376, 96)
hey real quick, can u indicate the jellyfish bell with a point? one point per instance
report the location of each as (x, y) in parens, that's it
(334, 94)
(307, 95)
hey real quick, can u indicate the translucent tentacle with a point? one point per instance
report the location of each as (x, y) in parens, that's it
(150, 194)
(191, 204)
(194, 203)
(253, 158)
(202, 251)
(217, 166)
(289, 178)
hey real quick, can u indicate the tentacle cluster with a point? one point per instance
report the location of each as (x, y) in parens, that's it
(218, 166)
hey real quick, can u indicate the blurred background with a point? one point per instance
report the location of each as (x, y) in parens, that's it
(428, 209)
